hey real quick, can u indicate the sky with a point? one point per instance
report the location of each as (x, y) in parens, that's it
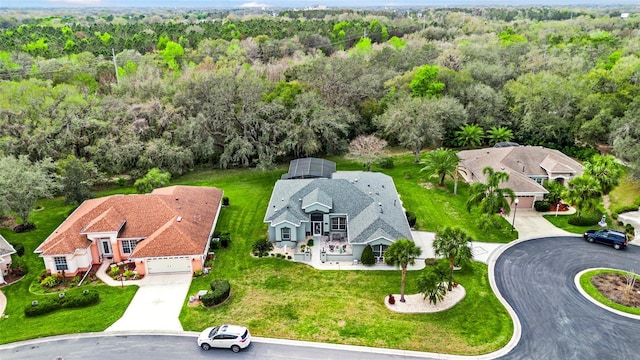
(293, 3)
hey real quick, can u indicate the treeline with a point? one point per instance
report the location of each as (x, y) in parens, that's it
(284, 89)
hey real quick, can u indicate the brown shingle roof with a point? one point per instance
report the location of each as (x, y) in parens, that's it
(152, 217)
(521, 163)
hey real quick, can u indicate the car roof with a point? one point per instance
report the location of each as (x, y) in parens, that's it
(232, 329)
(614, 231)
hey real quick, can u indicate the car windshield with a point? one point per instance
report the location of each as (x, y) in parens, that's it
(213, 331)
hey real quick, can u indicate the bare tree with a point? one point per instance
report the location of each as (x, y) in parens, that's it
(367, 148)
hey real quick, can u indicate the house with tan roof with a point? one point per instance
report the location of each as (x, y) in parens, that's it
(6, 250)
(528, 167)
(165, 231)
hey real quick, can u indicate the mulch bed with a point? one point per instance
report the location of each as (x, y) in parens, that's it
(614, 287)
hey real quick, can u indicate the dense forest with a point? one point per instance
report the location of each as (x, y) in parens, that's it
(128, 91)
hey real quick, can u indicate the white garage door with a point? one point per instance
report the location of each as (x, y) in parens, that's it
(168, 265)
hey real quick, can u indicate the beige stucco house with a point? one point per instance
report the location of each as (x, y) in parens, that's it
(528, 167)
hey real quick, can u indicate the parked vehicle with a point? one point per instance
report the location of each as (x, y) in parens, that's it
(617, 239)
(226, 336)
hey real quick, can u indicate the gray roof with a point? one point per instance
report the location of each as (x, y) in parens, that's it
(310, 168)
(5, 247)
(369, 200)
(522, 163)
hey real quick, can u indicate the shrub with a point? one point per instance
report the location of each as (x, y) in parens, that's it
(486, 222)
(18, 267)
(289, 257)
(114, 271)
(128, 274)
(542, 206)
(367, 257)
(197, 273)
(220, 290)
(225, 239)
(614, 215)
(50, 304)
(430, 261)
(24, 227)
(19, 248)
(215, 244)
(584, 220)
(75, 279)
(225, 201)
(310, 242)
(392, 299)
(262, 247)
(51, 280)
(629, 229)
(387, 163)
(411, 218)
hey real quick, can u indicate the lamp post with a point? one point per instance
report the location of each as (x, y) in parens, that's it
(515, 209)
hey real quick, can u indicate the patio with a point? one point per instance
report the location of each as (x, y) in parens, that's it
(336, 243)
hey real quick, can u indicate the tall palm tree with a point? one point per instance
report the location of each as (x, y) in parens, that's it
(469, 135)
(499, 134)
(402, 252)
(490, 196)
(605, 170)
(440, 163)
(454, 244)
(583, 193)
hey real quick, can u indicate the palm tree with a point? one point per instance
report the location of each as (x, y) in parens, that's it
(401, 253)
(490, 196)
(605, 170)
(431, 282)
(469, 135)
(499, 134)
(454, 244)
(440, 163)
(583, 193)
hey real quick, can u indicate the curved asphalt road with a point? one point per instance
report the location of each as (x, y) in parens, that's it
(536, 278)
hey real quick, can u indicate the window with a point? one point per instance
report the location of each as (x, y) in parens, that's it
(339, 223)
(128, 246)
(61, 263)
(286, 233)
(379, 250)
(317, 217)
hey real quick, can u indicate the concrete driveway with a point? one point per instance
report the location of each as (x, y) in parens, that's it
(531, 224)
(157, 304)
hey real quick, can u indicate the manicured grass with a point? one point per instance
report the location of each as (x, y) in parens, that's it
(562, 222)
(278, 298)
(626, 194)
(15, 327)
(585, 282)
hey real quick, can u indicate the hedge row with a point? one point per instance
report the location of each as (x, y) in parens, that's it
(584, 220)
(542, 206)
(52, 303)
(220, 290)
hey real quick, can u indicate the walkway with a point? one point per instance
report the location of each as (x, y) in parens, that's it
(3, 303)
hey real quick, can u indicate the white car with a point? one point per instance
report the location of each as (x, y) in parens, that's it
(226, 336)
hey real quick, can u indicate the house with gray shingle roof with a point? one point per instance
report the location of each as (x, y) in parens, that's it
(528, 167)
(344, 211)
(6, 250)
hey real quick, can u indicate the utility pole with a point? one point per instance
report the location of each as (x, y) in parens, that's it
(113, 52)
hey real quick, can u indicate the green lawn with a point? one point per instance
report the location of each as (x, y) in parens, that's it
(585, 282)
(625, 195)
(278, 298)
(15, 326)
(562, 222)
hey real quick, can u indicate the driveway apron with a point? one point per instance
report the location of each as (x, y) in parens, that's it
(156, 305)
(531, 224)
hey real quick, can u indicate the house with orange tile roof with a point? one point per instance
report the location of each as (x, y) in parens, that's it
(165, 231)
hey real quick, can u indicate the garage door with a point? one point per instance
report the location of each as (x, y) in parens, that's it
(168, 265)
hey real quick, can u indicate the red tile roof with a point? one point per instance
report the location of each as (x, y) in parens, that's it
(152, 217)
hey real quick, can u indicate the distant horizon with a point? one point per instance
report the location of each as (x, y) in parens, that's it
(277, 4)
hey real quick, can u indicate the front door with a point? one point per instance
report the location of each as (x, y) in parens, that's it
(105, 247)
(317, 228)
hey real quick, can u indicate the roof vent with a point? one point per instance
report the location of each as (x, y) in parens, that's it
(356, 180)
(368, 185)
(381, 211)
(179, 217)
(383, 186)
(282, 199)
(369, 192)
(379, 204)
(300, 199)
(377, 193)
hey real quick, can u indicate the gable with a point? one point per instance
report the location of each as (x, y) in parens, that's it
(141, 217)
